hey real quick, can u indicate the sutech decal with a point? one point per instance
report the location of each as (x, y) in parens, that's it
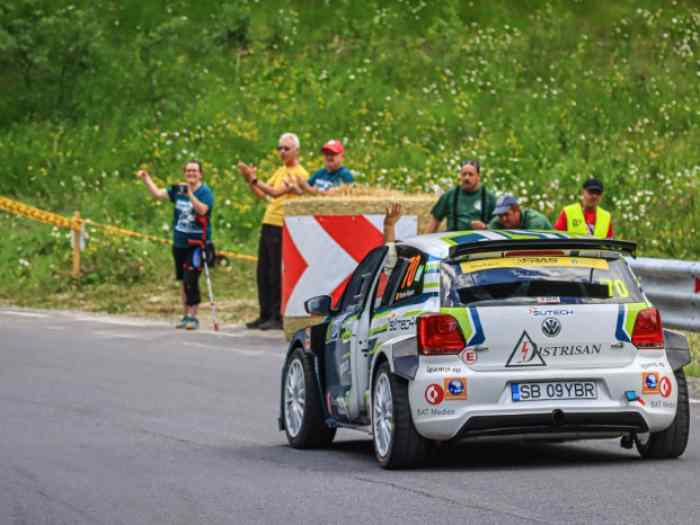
(665, 386)
(650, 382)
(525, 354)
(434, 394)
(548, 312)
(455, 388)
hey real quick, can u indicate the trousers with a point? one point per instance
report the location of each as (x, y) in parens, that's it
(269, 271)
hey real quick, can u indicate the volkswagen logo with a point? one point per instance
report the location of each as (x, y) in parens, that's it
(551, 327)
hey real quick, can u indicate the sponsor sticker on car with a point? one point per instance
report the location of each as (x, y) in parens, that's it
(650, 383)
(455, 388)
(520, 262)
(665, 386)
(434, 394)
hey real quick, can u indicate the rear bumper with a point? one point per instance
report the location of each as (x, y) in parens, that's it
(485, 408)
(555, 423)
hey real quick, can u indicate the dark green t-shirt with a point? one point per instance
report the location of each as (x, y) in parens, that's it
(529, 220)
(468, 207)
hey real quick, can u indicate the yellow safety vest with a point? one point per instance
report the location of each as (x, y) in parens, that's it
(576, 223)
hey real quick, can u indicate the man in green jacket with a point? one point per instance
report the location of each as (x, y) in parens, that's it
(468, 206)
(509, 216)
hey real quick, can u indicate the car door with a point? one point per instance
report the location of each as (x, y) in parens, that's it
(348, 340)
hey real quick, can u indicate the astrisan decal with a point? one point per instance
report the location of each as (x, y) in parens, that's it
(525, 353)
(650, 382)
(434, 394)
(665, 386)
(455, 388)
(570, 350)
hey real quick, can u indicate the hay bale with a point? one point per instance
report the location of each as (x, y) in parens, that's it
(355, 200)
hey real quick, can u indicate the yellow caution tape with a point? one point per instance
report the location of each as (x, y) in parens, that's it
(36, 214)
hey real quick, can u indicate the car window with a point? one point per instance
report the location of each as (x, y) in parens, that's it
(538, 279)
(406, 279)
(358, 287)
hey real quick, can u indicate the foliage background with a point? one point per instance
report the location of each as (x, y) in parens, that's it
(544, 93)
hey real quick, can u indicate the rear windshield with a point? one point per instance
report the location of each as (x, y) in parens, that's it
(537, 280)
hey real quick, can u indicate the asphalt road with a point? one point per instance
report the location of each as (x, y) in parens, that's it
(119, 421)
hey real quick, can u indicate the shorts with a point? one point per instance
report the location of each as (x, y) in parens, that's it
(182, 256)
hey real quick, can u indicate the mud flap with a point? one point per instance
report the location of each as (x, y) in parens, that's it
(677, 349)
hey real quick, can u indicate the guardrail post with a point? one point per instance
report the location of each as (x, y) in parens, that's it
(76, 245)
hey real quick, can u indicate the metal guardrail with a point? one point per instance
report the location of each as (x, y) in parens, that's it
(674, 287)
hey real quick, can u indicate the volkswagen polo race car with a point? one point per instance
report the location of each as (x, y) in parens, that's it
(471, 336)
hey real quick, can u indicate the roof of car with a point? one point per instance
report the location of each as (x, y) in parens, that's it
(447, 244)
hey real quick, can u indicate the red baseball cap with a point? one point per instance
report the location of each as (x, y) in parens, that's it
(333, 146)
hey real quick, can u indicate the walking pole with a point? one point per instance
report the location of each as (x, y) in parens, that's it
(211, 294)
(202, 220)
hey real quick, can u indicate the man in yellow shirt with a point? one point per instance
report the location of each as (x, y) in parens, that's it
(278, 189)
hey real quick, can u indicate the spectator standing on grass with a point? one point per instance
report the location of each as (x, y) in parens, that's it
(468, 206)
(278, 189)
(191, 199)
(510, 216)
(587, 217)
(332, 175)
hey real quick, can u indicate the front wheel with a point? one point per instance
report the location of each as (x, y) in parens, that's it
(303, 417)
(669, 443)
(397, 444)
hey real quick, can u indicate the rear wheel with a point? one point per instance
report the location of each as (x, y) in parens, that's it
(397, 444)
(303, 417)
(669, 443)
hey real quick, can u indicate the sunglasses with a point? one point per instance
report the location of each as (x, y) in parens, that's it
(284, 148)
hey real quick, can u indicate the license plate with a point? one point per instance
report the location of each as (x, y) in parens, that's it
(555, 390)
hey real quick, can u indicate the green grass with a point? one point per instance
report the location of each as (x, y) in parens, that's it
(544, 93)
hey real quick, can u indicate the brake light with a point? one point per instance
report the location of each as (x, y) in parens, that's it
(439, 334)
(648, 330)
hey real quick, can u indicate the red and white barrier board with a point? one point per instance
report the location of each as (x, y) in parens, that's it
(320, 252)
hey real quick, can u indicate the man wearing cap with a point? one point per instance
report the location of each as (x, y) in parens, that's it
(586, 217)
(468, 206)
(332, 175)
(509, 216)
(278, 189)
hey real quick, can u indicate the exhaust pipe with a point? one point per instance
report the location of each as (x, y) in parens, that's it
(557, 417)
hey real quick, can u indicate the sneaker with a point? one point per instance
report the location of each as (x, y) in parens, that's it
(271, 324)
(183, 322)
(192, 324)
(256, 323)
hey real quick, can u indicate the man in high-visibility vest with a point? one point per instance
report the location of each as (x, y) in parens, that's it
(586, 217)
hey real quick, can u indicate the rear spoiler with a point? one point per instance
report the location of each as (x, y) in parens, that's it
(626, 247)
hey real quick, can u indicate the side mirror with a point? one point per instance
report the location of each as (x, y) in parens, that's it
(319, 305)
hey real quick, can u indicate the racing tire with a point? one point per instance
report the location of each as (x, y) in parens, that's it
(397, 443)
(301, 404)
(671, 442)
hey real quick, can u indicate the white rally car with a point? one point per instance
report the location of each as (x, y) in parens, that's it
(470, 336)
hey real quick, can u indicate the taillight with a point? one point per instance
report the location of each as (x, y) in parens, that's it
(648, 331)
(439, 334)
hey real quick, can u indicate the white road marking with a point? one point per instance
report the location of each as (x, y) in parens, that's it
(695, 401)
(116, 335)
(249, 353)
(120, 322)
(23, 314)
(55, 327)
